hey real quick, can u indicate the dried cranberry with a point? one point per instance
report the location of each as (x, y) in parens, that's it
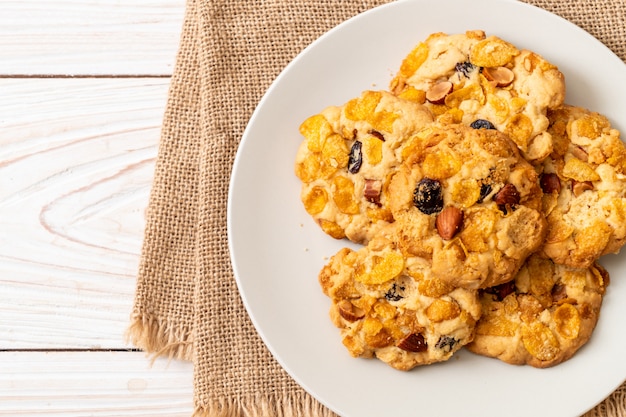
(372, 191)
(427, 196)
(356, 157)
(414, 342)
(482, 124)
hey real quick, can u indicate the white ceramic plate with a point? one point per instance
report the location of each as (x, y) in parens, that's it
(277, 250)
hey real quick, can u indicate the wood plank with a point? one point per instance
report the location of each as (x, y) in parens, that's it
(93, 37)
(76, 166)
(93, 383)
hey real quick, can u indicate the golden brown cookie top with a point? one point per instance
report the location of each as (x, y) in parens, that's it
(542, 317)
(472, 77)
(389, 306)
(347, 157)
(469, 202)
(584, 180)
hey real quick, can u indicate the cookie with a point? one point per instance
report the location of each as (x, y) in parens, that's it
(346, 160)
(542, 317)
(485, 80)
(389, 306)
(466, 200)
(584, 180)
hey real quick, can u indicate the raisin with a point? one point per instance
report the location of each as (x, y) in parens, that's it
(482, 124)
(446, 343)
(427, 196)
(485, 189)
(502, 290)
(356, 157)
(392, 294)
(465, 68)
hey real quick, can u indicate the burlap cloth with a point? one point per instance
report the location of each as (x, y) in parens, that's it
(187, 304)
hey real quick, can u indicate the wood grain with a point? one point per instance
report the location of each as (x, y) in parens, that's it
(83, 86)
(73, 384)
(89, 37)
(76, 165)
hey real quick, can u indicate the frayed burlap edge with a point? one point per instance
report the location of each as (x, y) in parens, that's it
(278, 405)
(306, 406)
(159, 338)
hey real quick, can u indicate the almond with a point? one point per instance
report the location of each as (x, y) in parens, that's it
(579, 153)
(580, 187)
(501, 76)
(507, 196)
(349, 311)
(438, 92)
(449, 222)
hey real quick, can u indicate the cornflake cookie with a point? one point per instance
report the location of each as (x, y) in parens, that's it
(542, 317)
(465, 199)
(390, 306)
(472, 78)
(346, 160)
(584, 181)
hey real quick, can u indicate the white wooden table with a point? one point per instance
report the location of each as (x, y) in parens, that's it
(83, 86)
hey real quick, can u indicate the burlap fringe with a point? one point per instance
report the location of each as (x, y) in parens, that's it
(303, 405)
(156, 337)
(276, 405)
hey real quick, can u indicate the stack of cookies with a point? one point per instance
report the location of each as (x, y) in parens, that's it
(482, 203)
